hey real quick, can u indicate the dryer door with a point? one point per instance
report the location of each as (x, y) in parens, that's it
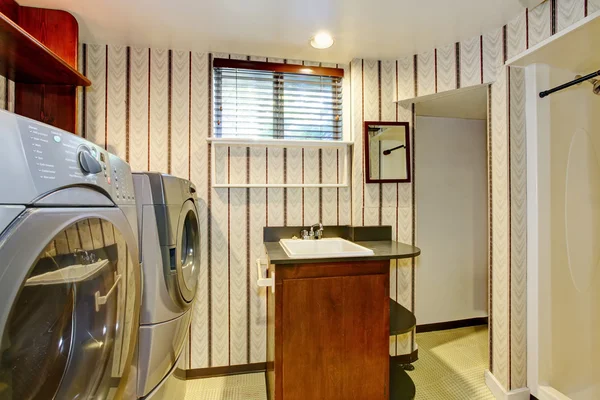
(69, 305)
(188, 251)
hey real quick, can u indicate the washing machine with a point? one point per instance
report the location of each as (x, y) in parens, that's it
(170, 257)
(70, 279)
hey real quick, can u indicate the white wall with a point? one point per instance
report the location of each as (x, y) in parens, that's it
(451, 186)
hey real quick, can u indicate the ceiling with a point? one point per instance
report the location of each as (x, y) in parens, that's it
(378, 29)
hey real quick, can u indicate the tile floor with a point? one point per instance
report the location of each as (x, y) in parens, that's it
(450, 367)
(235, 387)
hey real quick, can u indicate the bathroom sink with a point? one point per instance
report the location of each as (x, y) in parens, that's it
(323, 248)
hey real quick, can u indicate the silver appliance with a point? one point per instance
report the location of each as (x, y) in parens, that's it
(170, 256)
(70, 279)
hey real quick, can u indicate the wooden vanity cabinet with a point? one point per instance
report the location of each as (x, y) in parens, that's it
(328, 331)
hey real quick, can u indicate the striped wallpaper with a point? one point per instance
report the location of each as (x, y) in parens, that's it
(470, 62)
(152, 107)
(374, 87)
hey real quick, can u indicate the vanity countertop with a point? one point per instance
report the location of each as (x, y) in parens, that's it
(383, 249)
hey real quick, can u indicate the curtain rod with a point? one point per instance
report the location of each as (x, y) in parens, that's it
(569, 84)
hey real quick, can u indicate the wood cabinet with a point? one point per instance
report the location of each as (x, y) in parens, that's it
(328, 331)
(39, 53)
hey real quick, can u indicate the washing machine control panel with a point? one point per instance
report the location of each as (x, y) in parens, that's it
(58, 158)
(122, 180)
(87, 162)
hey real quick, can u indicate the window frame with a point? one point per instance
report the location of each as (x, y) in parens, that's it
(280, 69)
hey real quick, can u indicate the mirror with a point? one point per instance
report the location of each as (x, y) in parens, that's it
(387, 152)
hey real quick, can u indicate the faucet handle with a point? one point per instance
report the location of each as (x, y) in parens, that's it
(304, 234)
(318, 234)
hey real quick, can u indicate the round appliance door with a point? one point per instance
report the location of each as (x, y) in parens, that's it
(188, 251)
(71, 305)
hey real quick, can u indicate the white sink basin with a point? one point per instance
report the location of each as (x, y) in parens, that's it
(323, 248)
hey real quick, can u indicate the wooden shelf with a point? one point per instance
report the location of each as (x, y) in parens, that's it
(24, 59)
(401, 386)
(401, 320)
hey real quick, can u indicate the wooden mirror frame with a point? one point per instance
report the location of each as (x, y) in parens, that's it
(367, 155)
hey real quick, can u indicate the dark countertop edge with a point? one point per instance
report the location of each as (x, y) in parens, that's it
(291, 261)
(415, 253)
(349, 232)
(285, 260)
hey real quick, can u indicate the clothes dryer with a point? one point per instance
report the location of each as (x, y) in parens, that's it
(170, 252)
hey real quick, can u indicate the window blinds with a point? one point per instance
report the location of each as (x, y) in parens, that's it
(269, 104)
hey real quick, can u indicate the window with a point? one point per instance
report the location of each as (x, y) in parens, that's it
(257, 100)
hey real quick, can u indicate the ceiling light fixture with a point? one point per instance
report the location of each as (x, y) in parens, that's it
(322, 41)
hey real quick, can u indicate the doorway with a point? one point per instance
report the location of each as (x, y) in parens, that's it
(451, 178)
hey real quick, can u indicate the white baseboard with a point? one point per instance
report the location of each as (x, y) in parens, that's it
(500, 393)
(549, 393)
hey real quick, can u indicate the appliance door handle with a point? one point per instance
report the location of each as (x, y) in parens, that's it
(102, 300)
(262, 281)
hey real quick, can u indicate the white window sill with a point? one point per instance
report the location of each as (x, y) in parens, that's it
(279, 142)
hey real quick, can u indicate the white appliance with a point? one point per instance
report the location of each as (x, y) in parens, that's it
(170, 254)
(70, 279)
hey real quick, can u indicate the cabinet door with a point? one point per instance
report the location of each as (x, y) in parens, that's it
(336, 338)
(366, 337)
(313, 345)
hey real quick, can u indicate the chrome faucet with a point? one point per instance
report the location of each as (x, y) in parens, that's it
(312, 234)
